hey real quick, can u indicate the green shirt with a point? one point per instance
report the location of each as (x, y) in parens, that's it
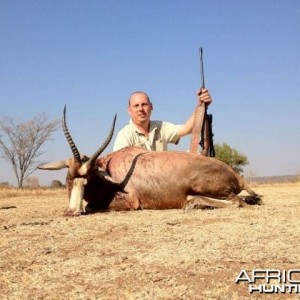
(161, 133)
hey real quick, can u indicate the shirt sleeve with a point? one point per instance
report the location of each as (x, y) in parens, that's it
(121, 141)
(170, 132)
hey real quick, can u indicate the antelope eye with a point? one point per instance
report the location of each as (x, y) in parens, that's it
(84, 159)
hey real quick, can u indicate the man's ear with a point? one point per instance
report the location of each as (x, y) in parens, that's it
(151, 105)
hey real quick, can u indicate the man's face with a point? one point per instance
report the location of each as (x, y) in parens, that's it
(140, 108)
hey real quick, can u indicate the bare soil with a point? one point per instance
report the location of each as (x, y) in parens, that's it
(144, 254)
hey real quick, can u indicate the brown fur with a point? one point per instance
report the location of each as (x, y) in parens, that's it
(134, 178)
(164, 180)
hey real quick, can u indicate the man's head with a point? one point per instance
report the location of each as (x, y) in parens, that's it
(140, 108)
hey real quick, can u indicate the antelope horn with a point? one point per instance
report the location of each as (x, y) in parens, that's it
(104, 145)
(69, 139)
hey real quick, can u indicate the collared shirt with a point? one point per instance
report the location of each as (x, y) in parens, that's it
(161, 133)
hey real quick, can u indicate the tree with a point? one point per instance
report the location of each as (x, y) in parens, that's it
(21, 142)
(56, 184)
(231, 156)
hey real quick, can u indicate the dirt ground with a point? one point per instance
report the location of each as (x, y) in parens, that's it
(144, 254)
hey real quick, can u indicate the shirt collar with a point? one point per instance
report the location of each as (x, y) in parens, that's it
(153, 127)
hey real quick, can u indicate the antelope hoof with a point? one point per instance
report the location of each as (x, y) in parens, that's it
(253, 200)
(73, 213)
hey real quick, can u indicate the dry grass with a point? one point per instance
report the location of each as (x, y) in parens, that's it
(143, 254)
(27, 192)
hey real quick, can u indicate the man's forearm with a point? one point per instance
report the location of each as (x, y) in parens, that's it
(187, 127)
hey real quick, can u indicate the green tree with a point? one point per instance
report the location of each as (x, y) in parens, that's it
(21, 142)
(231, 156)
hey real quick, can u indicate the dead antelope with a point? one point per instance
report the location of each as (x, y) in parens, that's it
(134, 178)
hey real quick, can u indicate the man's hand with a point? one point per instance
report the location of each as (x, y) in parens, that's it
(204, 96)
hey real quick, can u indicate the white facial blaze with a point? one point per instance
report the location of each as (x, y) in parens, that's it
(76, 199)
(83, 169)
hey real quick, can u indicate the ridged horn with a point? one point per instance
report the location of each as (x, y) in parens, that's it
(69, 139)
(104, 145)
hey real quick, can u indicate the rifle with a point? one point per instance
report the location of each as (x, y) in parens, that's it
(202, 123)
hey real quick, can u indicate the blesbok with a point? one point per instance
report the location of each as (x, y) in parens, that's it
(134, 178)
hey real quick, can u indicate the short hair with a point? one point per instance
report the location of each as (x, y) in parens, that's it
(138, 92)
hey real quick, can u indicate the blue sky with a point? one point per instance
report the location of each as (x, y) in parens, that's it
(91, 55)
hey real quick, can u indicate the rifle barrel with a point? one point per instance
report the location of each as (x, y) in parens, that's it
(201, 67)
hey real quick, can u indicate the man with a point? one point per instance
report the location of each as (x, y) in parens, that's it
(153, 135)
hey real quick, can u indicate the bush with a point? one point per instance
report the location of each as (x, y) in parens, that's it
(231, 156)
(56, 184)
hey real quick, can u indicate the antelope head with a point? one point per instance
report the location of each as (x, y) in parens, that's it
(81, 170)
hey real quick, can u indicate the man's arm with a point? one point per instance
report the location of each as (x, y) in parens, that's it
(186, 128)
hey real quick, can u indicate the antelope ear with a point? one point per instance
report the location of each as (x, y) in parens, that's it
(103, 174)
(57, 165)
